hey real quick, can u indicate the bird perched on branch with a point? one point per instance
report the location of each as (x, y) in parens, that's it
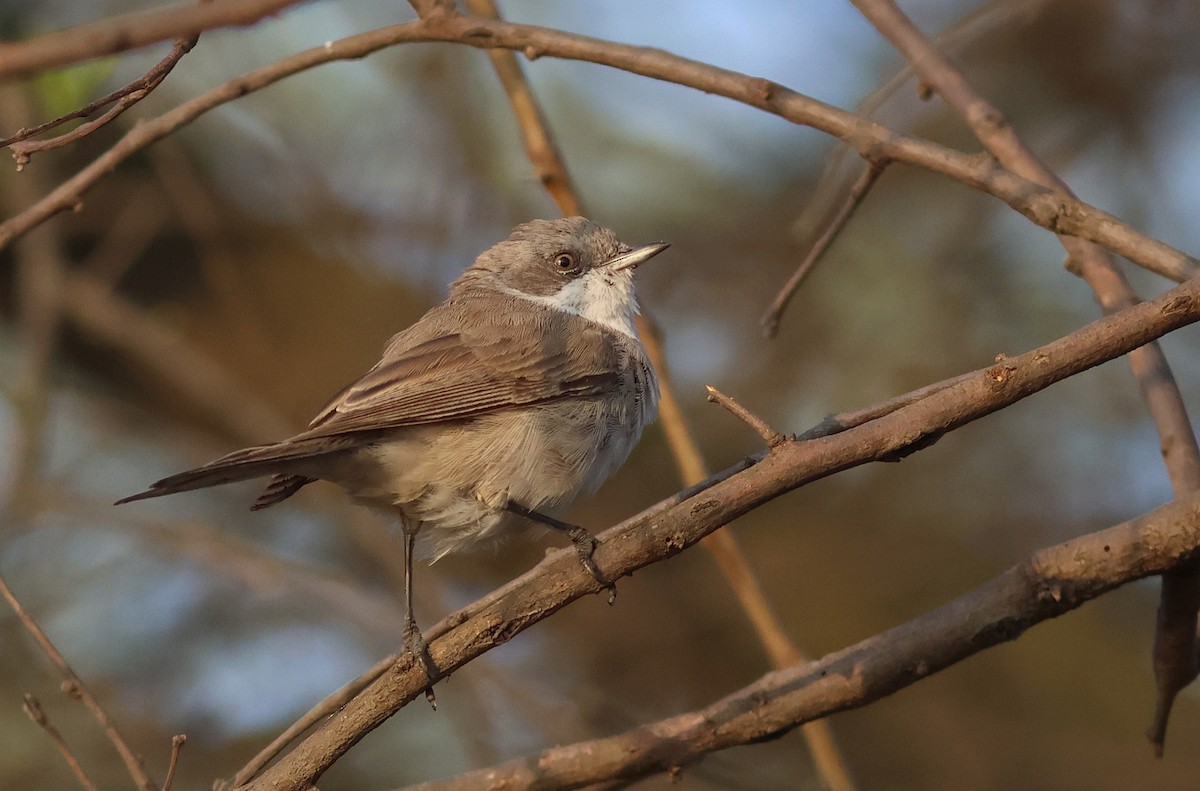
(525, 388)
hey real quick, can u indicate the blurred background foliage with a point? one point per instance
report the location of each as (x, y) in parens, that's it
(217, 289)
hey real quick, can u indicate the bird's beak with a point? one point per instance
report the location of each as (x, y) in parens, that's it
(636, 256)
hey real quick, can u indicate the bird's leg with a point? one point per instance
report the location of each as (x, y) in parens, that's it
(414, 641)
(585, 543)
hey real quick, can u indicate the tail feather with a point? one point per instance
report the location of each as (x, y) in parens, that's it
(279, 458)
(279, 489)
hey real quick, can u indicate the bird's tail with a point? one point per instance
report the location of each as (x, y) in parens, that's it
(281, 458)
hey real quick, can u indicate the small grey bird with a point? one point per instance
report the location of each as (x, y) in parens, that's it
(527, 387)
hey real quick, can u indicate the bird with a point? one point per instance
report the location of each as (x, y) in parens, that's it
(527, 387)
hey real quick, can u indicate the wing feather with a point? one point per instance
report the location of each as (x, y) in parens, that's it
(509, 354)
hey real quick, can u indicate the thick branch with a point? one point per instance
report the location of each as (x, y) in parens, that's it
(1052, 582)
(643, 540)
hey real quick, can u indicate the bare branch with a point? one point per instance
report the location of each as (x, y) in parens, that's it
(74, 687)
(646, 539)
(1053, 581)
(177, 743)
(760, 427)
(874, 169)
(33, 708)
(129, 31)
(1047, 207)
(1176, 660)
(125, 97)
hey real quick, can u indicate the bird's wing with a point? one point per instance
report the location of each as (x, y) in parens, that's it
(492, 359)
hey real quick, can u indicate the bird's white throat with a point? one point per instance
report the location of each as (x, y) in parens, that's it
(600, 295)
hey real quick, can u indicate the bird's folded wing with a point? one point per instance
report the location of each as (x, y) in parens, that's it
(501, 360)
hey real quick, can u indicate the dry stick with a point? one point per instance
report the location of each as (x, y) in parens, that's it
(552, 171)
(1049, 208)
(859, 190)
(177, 743)
(74, 687)
(124, 97)
(128, 31)
(643, 540)
(33, 708)
(1176, 662)
(762, 428)
(1049, 583)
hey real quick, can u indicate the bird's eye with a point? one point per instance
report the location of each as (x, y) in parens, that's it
(565, 263)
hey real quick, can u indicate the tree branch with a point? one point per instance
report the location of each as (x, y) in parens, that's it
(1050, 583)
(124, 98)
(1176, 660)
(643, 540)
(1049, 208)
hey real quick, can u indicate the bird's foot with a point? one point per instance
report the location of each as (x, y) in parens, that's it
(415, 644)
(585, 543)
(585, 546)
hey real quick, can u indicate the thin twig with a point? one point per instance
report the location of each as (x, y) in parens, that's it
(124, 98)
(874, 169)
(761, 427)
(75, 688)
(177, 743)
(1176, 660)
(33, 708)
(963, 34)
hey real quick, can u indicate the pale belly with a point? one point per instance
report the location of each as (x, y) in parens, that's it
(451, 482)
